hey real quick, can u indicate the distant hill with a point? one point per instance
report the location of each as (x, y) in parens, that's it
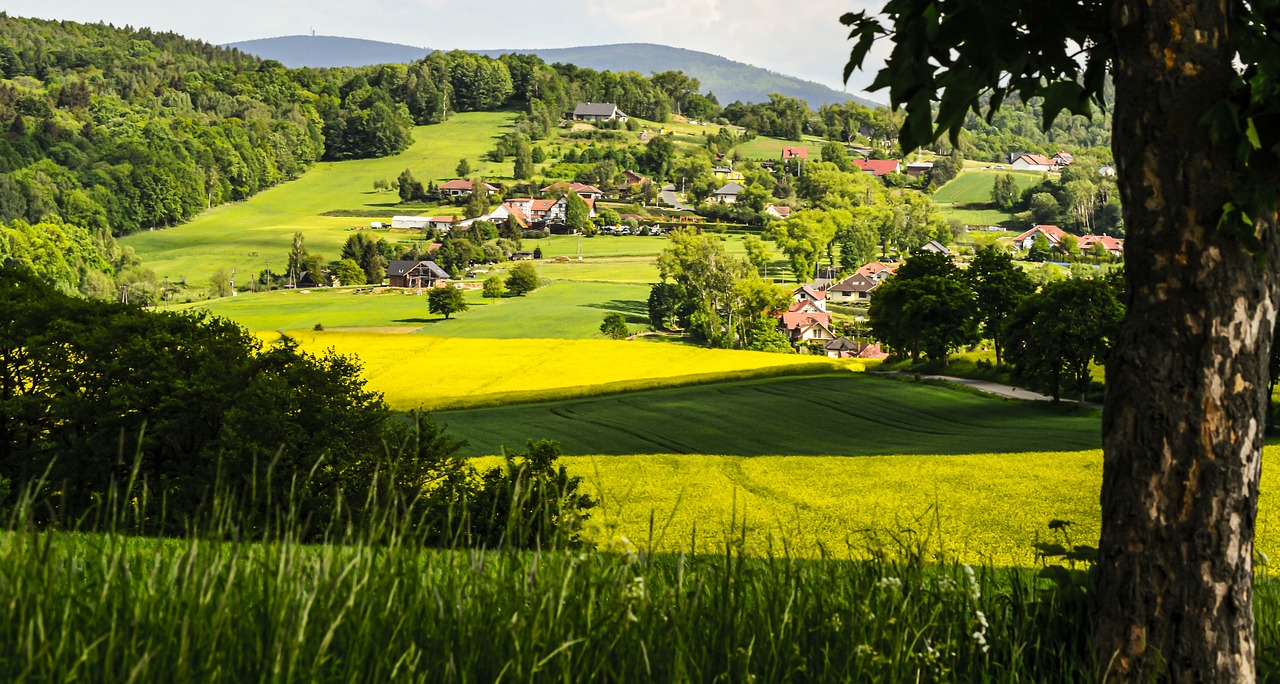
(729, 80)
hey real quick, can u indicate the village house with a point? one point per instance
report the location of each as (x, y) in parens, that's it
(795, 153)
(598, 111)
(879, 271)
(728, 194)
(586, 192)
(1107, 171)
(807, 318)
(1033, 162)
(1063, 158)
(414, 222)
(778, 211)
(417, 274)
(630, 178)
(546, 211)
(936, 247)
(726, 173)
(462, 187)
(855, 288)
(1051, 233)
(1114, 246)
(845, 348)
(878, 167)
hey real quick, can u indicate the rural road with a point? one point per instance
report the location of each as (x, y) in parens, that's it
(669, 196)
(998, 389)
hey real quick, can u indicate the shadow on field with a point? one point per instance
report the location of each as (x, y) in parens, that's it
(417, 320)
(635, 311)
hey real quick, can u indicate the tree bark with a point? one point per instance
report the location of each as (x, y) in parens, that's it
(1187, 383)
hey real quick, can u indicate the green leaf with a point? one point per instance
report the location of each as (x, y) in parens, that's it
(1251, 132)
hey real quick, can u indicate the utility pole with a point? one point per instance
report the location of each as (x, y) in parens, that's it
(233, 282)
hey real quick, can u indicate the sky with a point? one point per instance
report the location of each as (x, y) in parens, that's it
(803, 39)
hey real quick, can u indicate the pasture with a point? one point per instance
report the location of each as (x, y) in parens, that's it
(245, 235)
(974, 186)
(770, 149)
(438, 373)
(841, 414)
(562, 310)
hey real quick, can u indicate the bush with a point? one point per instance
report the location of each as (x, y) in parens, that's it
(534, 234)
(493, 287)
(615, 326)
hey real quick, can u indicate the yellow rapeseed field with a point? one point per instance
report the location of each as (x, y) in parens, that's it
(985, 508)
(422, 371)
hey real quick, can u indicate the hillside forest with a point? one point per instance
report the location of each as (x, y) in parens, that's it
(110, 131)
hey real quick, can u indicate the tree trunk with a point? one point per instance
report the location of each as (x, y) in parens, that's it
(1186, 385)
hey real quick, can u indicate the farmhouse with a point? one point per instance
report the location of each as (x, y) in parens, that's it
(1051, 233)
(598, 111)
(630, 178)
(1107, 171)
(845, 348)
(795, 153)
(415, 274)
(1033, 162)
(878, 167)
(778, 211)
(462, 187)
(546, 211)
(727, 194)
(877, 270)
(1063, 158)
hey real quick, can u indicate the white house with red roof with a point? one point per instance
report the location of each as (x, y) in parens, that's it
(779, 211)
(462, 187)
(1063, 158)
(1051, 233)
(879, 167)
(1033, 162)
(795, 153)
(877, 270)
(1114, 246)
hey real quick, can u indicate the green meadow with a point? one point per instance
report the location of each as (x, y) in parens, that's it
(565, 310)
(973, 186)
(246, 235)
(846, 414)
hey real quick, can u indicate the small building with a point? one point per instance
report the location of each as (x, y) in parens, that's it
(779, 211)
(1053, 234)
(522, 256)
(417, 274)
(1063, 158)
(918, 169)
(598, 111)
(795, 153)
(1107, 171)
(630, 178)
(1033, 162)
(878, 167)
(413, 222)
(936, 247)
(726, 173)
(805, 294)
(845, 348)
(462, 187)
(879, 271)
(728, 194)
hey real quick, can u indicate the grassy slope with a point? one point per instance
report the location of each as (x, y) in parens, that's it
(770, 149)
(839, 414)
(247, 234)
(974, 186)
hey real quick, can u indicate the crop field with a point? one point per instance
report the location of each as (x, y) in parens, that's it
(436, 373)
(974, 187)
(245, 235)
(843, 414)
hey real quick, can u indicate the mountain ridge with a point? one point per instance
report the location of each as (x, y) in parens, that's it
(729, 80)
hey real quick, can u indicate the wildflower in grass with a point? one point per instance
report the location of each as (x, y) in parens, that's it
(975, 591)
(889, 583)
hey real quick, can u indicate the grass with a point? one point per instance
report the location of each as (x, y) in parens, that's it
(770, 149)
(245, 235)
(841, 414)
(974, 187)
(431, 372)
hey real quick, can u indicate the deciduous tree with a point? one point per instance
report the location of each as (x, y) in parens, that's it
(1196, 114)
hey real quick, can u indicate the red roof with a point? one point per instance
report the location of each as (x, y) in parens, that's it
(579, 188)
(1038, 159)
(813, 294)
(874, 268)
(878, 167)
(1053, 233)
(795, 153)
(803, 303)
(1108, 243)
(803, 319)
(464, 184)
(782, 211)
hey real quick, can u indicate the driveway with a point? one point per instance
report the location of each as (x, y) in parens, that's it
(669, 196)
